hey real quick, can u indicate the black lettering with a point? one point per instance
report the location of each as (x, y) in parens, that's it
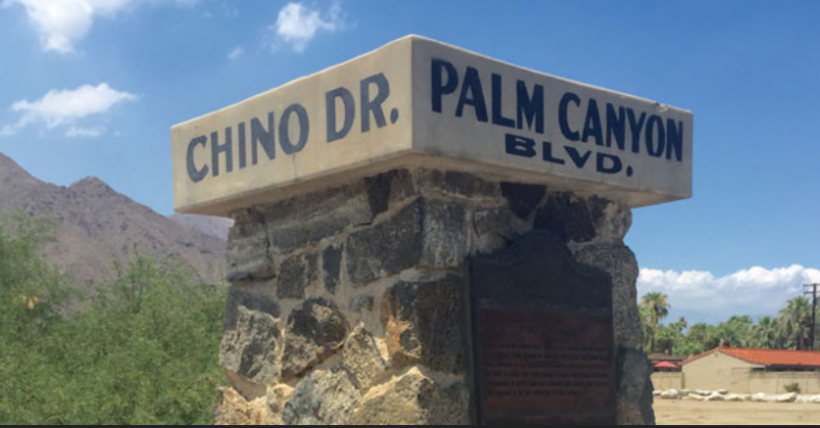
(440, 88)
(472, 94)
(655, 146)
(498, 104)
(284, 129)
(609, 164)
(636, 127)
(563, 116)
(674, 140)
(579, 160)
(592, 125)
(243, 149)
(520, 146)
(263, 137)
(548, 157)
(616, 126)
(333, 133)
(375, 105)
(196, 175)
(531, 109)
(226, 149)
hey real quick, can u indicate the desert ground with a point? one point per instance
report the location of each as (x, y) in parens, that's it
(697, 413)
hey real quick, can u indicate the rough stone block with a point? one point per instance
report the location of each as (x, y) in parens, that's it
(306, 220)
(425, 324)
(295, 275)
(386, 248)
(332, 267)
(425, 233)
(620, 263)
(248, 255)
(456, 184)
(445, 234)
(323, 398)
(570, 218)
(255, 297)
(362, 359)
(414, 399)
(635, 390)
(315, 331)
(385, 189)
(495, 229)
(614, 222)
(523, 199)
(251, 349)
(235, 410)
(277, 397)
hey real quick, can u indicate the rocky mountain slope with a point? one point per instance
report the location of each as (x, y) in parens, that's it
(99, 227)
(212, 226)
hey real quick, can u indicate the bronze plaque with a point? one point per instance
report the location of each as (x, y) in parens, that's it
(543, 336)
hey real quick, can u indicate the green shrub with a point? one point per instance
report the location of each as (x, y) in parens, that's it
(793, 388)
(144, 352)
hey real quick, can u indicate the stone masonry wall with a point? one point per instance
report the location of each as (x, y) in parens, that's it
(348, 305)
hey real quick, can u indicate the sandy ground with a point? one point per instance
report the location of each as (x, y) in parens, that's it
(697, 413)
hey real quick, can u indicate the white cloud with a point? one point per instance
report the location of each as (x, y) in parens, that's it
(66, 107)
(75, 132)
(298, 24)
(236, 53)
(62, 23)
(756, 291)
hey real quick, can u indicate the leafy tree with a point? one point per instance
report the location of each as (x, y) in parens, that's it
(657, 308)
(795, 324)
(765, 334)
(145, 351)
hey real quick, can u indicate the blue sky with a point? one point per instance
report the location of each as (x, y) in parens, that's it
(120, 73)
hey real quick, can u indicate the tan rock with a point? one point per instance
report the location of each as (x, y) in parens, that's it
(235, 410)
(414, 399)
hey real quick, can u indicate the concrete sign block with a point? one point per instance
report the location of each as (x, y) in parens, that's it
(417, 102)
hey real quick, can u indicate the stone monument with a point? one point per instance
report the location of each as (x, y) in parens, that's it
(429, 236)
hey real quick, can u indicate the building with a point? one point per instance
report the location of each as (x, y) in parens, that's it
(752, 371)
(656, 359)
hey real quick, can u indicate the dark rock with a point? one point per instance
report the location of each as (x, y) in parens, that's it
(386, 248)
(323, 398)
(635, 388)
(523, 199)
(496, 228)
(248, 255)
(332, 264)
(568, 217)
(394, 185)
(620, 263)
(424, 324)
(309, 219)
(252, 297)
(446, 234)
(250, 350)
(295, 275)
(315, 332)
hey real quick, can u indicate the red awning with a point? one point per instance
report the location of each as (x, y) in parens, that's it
(666, 365)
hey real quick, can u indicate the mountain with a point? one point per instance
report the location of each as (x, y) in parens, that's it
(213, 226)
(99, 227)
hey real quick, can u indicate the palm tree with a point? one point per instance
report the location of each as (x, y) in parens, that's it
(657, 305)
(795, 324)
(765, 334)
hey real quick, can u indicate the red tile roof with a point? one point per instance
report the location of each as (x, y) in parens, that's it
(766, 357)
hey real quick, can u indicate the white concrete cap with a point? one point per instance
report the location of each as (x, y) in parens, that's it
(420, 103)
